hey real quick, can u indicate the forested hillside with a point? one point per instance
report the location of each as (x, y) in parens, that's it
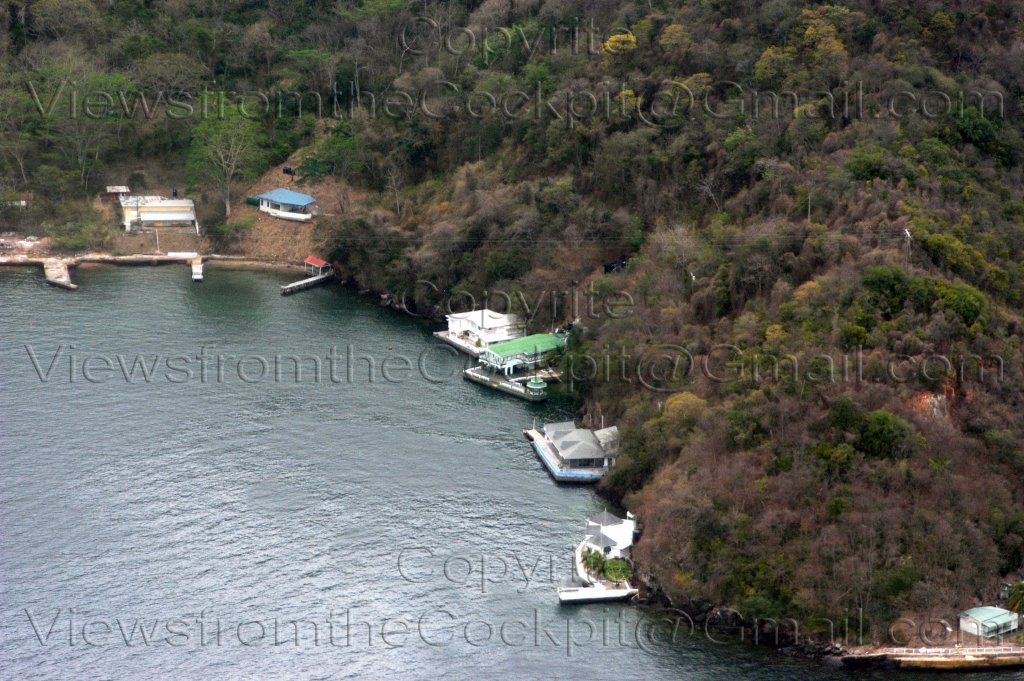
(819, 377)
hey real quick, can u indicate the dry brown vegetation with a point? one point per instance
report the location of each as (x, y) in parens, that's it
(782, 236)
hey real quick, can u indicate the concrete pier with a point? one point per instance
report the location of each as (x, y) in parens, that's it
(57, 274)
(945, 659)
(141, 259)
(56, 269)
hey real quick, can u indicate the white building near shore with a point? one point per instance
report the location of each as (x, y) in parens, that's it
(471, 332)
(139, 212)
(612, 538)
(611, 535)
(987, 622)
(288, 205)
(582, 448)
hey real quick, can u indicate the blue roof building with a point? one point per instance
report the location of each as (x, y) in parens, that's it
(288, 197)
(287, 205)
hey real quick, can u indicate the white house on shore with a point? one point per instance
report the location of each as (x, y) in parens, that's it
(610, 535)
(140, 212)
(288, 205)
(611, 538)
(473, 331)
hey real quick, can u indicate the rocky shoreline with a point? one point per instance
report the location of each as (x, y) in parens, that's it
(718, 620)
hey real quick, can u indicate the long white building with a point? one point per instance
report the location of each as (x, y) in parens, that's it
(471, 332)
(156, 211)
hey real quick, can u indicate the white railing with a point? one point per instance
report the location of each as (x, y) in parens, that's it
(994, 650)
(508, 383)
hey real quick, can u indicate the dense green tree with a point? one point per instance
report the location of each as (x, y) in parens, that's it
(225, 148)
(883, 435)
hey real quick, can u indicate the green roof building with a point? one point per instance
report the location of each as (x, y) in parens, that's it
(521, 353)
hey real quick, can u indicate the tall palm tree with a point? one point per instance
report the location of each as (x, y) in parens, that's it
(1015, 600)
(594, 562)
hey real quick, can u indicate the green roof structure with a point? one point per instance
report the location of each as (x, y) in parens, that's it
(538, 343)
(521, 353)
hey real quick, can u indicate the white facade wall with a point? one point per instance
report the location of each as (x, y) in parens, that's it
(485, 326)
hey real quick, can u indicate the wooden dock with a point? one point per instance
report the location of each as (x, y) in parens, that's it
(197, 269)
(56, 270)
(303, 284)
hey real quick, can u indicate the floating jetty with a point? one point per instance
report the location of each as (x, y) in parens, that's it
(197, 269)
(550, 461)
(945, 659)
(574, 454)
(302, 285)
(320, 270)
(529, 387)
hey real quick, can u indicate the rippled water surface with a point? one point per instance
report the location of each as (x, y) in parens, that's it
(207, 524)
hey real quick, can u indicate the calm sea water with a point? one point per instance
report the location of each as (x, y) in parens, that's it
(216, 521)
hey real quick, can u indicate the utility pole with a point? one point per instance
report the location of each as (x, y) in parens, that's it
(906, 259)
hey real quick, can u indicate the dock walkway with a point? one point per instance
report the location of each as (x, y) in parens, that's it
(302, 285)
(508, 386)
